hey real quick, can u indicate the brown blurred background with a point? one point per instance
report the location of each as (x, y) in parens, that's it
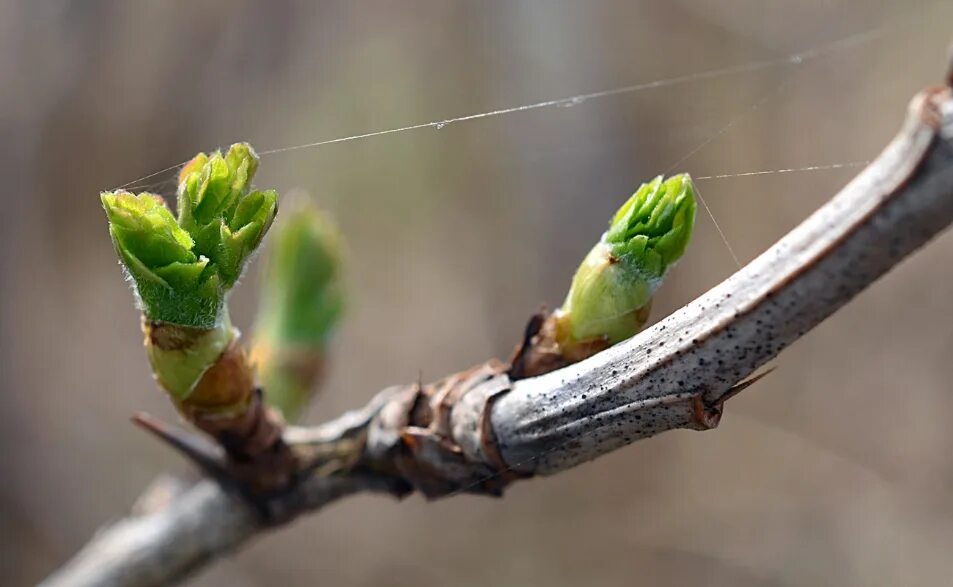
(835, 470)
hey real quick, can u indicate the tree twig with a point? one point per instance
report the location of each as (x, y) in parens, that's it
(481, 429)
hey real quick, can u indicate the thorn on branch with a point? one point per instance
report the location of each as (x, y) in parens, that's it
(252, 480)
(708, 412)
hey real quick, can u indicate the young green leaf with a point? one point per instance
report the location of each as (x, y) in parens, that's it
(301, 304)
(171, 281)
(183, 268)
(217, 209)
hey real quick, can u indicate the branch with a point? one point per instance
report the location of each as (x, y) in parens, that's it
(678, 373)
(481, 429)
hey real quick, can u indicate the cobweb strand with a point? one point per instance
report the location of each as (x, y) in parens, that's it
(793, 59)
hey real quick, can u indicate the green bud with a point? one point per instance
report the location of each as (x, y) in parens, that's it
(612, 290)
(172, 282)
(301, 304)
(302, 298)
(183, 269)
(217, 209)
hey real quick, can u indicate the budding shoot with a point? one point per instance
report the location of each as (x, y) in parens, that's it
(611, 293)
(182, 269)
(301, 304)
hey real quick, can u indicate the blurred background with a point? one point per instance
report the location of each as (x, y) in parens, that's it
(837, 469)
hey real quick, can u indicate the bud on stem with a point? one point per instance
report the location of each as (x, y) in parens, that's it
(612, 290)
(611, 293)
(301, 304)
(183, 268)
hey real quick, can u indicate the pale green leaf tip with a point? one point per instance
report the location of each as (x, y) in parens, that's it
(654, 226)
(302, 294)
(184, 267)
(613, 286)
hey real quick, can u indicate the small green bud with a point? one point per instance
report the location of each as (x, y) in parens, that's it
(301, 304)
(216, 208)
(302, 297)
(184, 268)
(612, 290)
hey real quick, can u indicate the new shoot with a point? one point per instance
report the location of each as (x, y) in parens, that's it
(610, 297)
(182, 269)
(302, 300)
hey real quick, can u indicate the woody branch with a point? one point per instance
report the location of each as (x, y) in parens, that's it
(479, 430)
